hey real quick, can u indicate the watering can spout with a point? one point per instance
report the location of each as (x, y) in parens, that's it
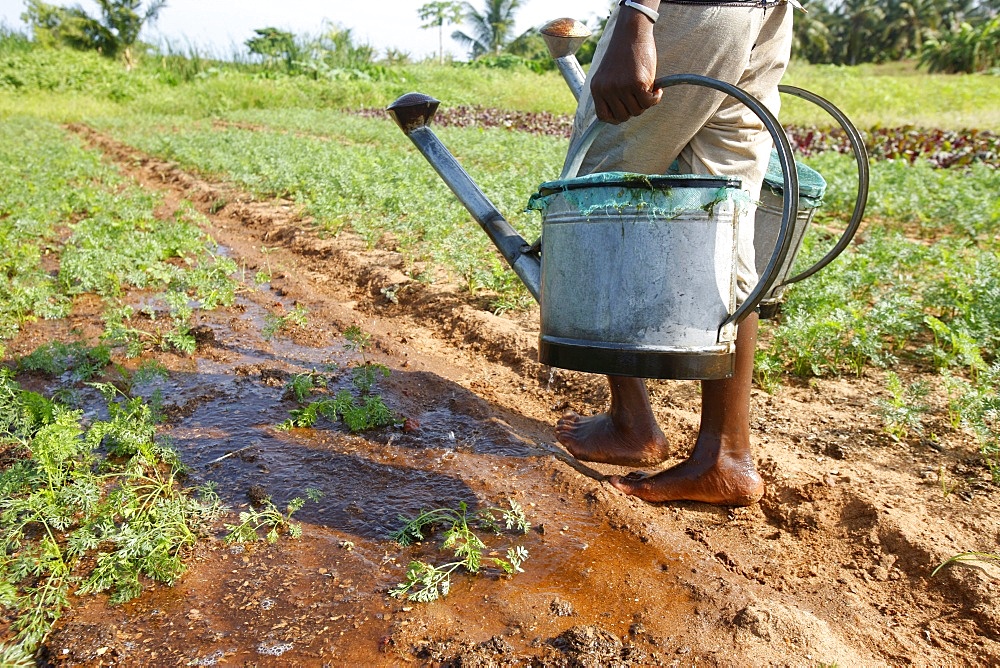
(413, 113)
(564, 37)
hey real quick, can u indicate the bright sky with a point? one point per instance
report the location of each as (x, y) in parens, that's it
(222, 26)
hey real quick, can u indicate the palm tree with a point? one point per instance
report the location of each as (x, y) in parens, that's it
(437, 13)
(492, 26)
(812, 38)
(907, 24)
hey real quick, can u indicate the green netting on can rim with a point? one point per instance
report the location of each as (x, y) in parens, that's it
(812, 185)
(660, 196)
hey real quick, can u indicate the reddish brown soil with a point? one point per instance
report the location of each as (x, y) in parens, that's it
(832, 566)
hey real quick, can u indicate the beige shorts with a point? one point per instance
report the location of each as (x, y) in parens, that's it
(706, 131)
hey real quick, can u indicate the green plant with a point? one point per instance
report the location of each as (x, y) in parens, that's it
(16, 656)
(78, 359)
(274, 323)
(967, 49)
(369, 412)
(71, 518)
(427, 582)
(301, 385)
(269, 518)
(365, 374)
(901, 412)
(767, 371)
(966, 556)
(953, 347)
(264, 275)
(976, 405)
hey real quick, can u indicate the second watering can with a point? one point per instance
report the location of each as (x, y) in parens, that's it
(563, 37)
(635, 274)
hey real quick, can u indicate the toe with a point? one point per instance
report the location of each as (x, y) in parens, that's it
(623, 483)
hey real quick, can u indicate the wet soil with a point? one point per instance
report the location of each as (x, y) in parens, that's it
(833, 566)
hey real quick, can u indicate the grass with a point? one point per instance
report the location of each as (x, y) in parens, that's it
(896, 94)
(395, 194)
(47, 82)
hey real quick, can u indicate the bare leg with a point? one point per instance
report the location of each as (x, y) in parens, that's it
(626, 435)
(721, 469)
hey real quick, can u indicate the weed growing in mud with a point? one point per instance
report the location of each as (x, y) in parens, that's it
(302, 384)
(368, 412)
(966, 556)
(427, 582)
(177, 336)
(16, 656)
(271, 519)
(80, 361)
(976, 406)
(72, 518)
(274, 323)
(366, 374)
(359, 413)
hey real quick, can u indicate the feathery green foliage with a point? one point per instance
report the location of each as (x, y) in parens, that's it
(269, 519)
(359, 413)
(426, 582)
(87, 509)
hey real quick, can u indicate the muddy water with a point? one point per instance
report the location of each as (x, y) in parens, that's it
(324, 596)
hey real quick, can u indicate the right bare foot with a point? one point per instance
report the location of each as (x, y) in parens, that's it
(725, 480)
(601, 438)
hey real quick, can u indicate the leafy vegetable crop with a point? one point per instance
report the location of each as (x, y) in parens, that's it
(426, 582)
(87, 508)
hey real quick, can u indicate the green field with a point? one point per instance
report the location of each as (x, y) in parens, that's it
(920, 284)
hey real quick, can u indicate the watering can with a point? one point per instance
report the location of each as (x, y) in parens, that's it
(635, 275)
(563, 38)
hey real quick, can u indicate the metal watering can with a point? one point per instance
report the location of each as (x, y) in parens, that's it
(563, 37)
(635, 274)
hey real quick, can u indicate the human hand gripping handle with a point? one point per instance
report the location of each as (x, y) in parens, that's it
(622, 85)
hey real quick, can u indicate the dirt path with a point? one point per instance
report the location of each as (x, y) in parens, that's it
(833, 566)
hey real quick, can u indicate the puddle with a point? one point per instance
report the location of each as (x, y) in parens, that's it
(326, 595)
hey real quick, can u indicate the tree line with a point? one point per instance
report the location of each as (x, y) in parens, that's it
(952, 36)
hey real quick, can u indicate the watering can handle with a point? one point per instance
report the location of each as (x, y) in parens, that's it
(860, 156)
(789, 209)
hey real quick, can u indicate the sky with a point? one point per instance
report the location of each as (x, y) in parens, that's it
(220, 27)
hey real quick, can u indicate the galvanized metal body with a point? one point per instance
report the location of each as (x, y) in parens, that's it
(626, 293)
(768, 274)
(767, 225)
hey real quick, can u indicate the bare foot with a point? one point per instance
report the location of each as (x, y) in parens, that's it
(727, 481)
(626, 435)
(601, 438)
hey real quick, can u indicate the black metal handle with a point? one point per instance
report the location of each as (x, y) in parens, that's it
(789, 206)
(860, 156)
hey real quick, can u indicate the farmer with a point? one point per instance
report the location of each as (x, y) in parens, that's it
(743, 43)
